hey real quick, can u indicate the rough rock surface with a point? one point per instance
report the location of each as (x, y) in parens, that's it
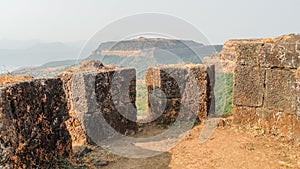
(249, 83)
(298, 91)
(266, 85)
(90, 65)
(32, 129)
(252, 51)
(74, 125)
(179, 92)
(103, 103)
(7, 79)
(280, 93)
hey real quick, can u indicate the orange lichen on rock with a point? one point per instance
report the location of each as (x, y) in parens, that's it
(6, 79)
(298, 73)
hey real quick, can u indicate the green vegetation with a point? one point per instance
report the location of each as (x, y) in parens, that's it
(64, 164)
(141, 100)
(224, 93)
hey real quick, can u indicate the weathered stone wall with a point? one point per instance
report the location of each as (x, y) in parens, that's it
(32, 129)
(230, 50)
(266, 86)
(298, 91)
(104, 101)
(40, 120)
(73, 123)
(174, 89)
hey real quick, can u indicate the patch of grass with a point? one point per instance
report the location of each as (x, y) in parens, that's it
(64, 164)
(197, 122)
(224, 93)
(141, 100)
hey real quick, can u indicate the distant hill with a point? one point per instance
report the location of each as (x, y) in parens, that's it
(65, 63)
(188, 51)
(17, 44)
(137, 53)
(35, 53)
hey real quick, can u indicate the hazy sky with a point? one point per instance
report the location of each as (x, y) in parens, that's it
(219, 20)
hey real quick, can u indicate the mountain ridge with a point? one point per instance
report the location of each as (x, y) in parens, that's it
(113, 52)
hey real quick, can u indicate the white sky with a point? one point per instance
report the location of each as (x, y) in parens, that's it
(219, 20)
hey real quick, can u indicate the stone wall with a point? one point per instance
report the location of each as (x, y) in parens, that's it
(266, 87)
(41, 119)
(104, 102)
(32, 129)
(73, 86)
(179, 89)
(230, 50)
(73, 123)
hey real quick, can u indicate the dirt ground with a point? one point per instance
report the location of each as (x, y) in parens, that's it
(228, 148)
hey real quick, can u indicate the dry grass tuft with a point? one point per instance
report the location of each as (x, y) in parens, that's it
(8, 78)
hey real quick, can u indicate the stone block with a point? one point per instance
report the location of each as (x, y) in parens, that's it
(285, 55)
(298, 92)
(248, 54)
(105, 102)
(120, 98)
(73, 123)
(266, 85)
(277, 122)
(280, 90)
(179, 92)
(248, 89)
(243, 115)
(33, 133)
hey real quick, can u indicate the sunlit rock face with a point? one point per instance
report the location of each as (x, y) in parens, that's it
(266, 85)
(33, 133)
